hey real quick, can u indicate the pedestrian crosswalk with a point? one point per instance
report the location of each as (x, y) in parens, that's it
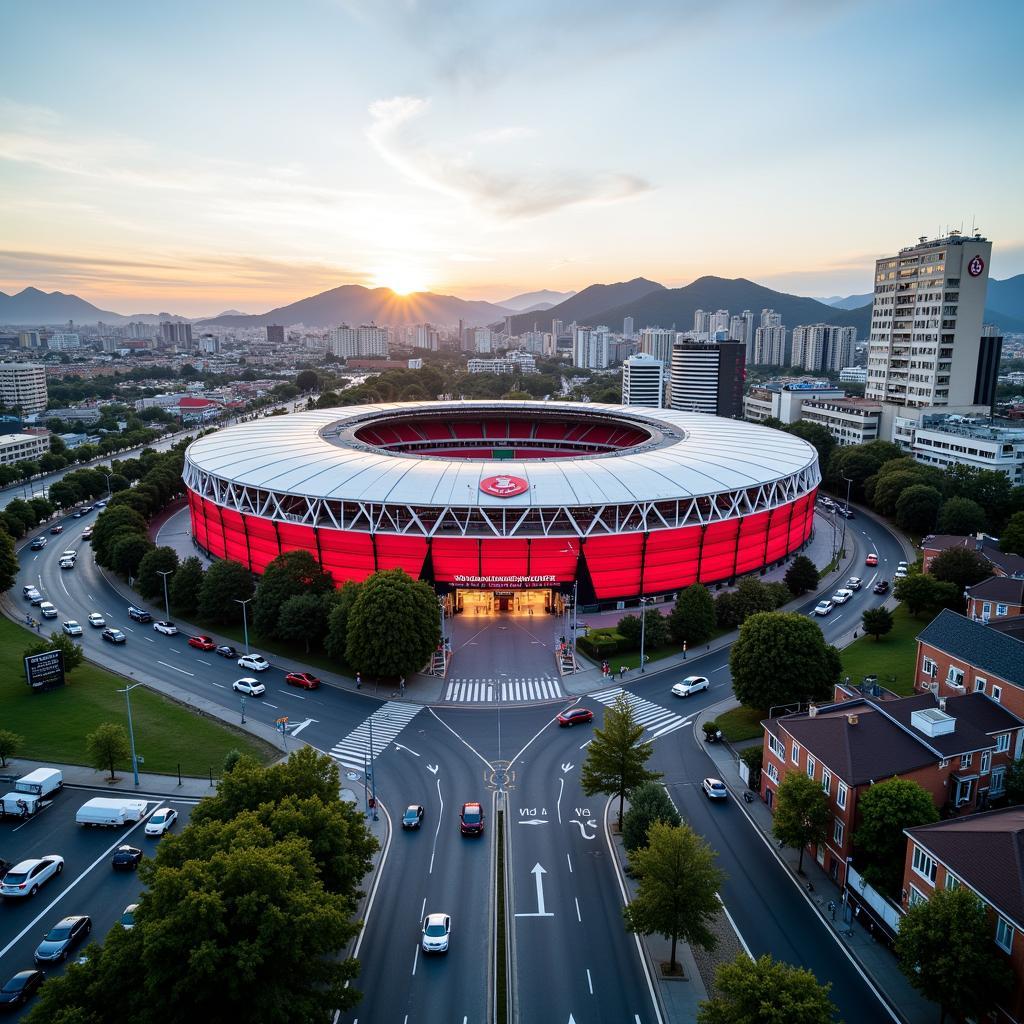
(655, 719)
(388, 721)
(508, 691)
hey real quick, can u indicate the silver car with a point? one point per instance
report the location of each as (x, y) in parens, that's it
(26, 877)
(437, 929)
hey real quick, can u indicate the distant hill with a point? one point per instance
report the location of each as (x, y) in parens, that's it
(1007, 296)
(530, 301)
(34, 308)
(584, 306)
(850, 301)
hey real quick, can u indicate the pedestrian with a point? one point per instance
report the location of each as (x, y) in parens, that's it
(622, 671)
(37, 624)
(359, 681)
(401, 686)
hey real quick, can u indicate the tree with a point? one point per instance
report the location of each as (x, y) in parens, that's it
(126, 554)
(921, 593)
(877, 622)
(960, 566)
(648, 803)
(616, 759)
(307, 380)
(727, 610)
(628, 627)
(677, 896)
(393, 625)
(149, 582)
(1012, 537)
(802, 814)
(766, 991)
(1015, 782)
(962, 517)
(111, 526)
(10, 744)
(60, 641)
(782, 658)
(8, 561)
(106, 746)
(945, 949)
(917, 508)
(224, 585)
(339, 606)
(885, 810)
(692, 619)
(815, 434)
(752, 596)
(288, 575)
(64, 493)
(185, 584)
(303, 619)
(801, 576)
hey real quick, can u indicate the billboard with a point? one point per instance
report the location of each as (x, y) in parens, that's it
(45, 671)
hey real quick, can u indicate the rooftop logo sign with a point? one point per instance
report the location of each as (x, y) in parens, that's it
(504, 486)
(976, 266)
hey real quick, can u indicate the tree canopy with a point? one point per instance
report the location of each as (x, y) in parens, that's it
(149, 582)
(648, 803)
(961, 517)
(1012, 537)
(801, 576)
(802, 814)
(224, 585)
(692, 619)
(877, 621)
(289, 575)
(962, 567)
(184, 586)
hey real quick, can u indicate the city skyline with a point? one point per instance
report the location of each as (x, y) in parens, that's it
(198, 159)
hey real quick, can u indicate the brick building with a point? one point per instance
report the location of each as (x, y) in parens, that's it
(1003, 563)
(995, 598)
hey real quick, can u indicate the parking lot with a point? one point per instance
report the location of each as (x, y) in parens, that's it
(88, 883)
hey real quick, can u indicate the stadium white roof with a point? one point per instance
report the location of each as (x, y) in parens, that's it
(703, 455)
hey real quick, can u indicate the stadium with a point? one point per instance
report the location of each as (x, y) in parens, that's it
(507, 505)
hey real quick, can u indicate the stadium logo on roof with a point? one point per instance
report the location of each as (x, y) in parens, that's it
(504, 486)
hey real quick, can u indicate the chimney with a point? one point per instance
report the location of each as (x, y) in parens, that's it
(812, 710)
(851, 719)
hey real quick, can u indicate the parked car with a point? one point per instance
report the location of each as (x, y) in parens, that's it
(128, 916)
(881, 587)
(48, 610)
(201, 643)
(226, 651)
(72, 628)
(25, 878)
(160, 821)
(38, 544)
(691, 684)
(575, 716)
(872, 559)
(714, 789)
(854, 583)
(900, 573)
(97, 620)
(139, 614)
(56, 528)
(113, 636)
(20, 988)
(167, 628)
(305, 680)
(57, 942)
(822, 608)
(254, 661)
(126, 858)
(471, 820)
(842, 595)
(250, 687)
(413, 816)
(436, 933)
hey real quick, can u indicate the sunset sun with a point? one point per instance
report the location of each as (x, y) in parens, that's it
(401, 280)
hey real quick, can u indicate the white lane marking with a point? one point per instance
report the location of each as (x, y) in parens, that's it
(269, 705)
(423, 909)
(129, 628)
(437, 830)
(89, 596)
(558, 805)
(590, 983)
(583, 746)
(462, 741)
(111, 614)
(578, 917)
(569, 859)
(415, 959)
(743, 941)
(221, 685)
(150, 639)
(288, 693)
(398, 746)
(61, 578)
(176, 669)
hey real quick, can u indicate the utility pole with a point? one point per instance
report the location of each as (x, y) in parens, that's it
(167, 604)
(643, 624)
(245, 620)
(131, 731)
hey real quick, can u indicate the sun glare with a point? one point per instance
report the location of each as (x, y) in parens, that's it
(401, 280)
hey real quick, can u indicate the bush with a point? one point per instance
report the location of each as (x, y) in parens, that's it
(753, 758)
(599, 644)
(648, 803)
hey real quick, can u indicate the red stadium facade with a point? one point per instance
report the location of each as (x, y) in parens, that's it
(621, 502)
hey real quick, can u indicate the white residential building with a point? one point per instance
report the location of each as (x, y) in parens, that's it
(590, 348)
(22, 447)
(822, 346)
(627, 328)
(658, 343)
(986, 444)
(23, 385)
(784, 400)
(643, 381)
(63, 342)
(358, 342)
(514, 362)
(853, 375)
(426, 337)
(482, 340)
(771, 347)
(848, 420)
(29, 339)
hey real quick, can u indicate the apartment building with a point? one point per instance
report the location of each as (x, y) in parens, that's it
(982, 443)
(848, 420)
(643, 381)
(22, 447)
(998, 597)
(23, 385)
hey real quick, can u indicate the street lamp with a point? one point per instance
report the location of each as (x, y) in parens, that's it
(245, 620)
(643, 623)
(131, 732)
(849, 481)
(167, 605)
(107, 477)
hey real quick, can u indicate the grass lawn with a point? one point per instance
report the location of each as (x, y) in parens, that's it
(741, 723)
(631, 659)
(54, 725)
(892, 658)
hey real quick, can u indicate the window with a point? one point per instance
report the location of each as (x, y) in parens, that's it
(915, 897)
(966, 760)
(924, 865)
(964, 791)
(838, 831)
(776, 747)
(986, 762)
(841, 795)
(955, 676)
(986, 609)
(771, 771)
(952, 882)
(811, 765)
(979, 684)
(998, 784)
(826, 781)
(928, 667)
(1002, 743)
(997, 692)
(1001, 609)
(1004, 935)
(795, 752)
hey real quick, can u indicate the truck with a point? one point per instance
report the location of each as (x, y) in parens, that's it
(42, 782)
(110, 812)
(20, 805)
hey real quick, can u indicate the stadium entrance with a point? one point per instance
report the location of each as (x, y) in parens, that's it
(510, 602)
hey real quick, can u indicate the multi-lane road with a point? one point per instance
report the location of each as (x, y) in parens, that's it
(570, 954)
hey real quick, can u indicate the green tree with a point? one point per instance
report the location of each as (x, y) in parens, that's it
(111, 526)
(890, 487)
(393, 625)
(960, 566)
(616, 759)
(877, 622)
(23, 510)
(126, 554)
(148, 582)
(64, 493)
(648, 803)
(816, 435)
(692, 619)
(339, 607)
(727, 610)
(224, 585)
(307, 380)
(753, 758)
(1015, 782)
(60, 641)
(303, 619)
(184, 586)
(945, 949)
(885, 810)
(766, 991)
(922, 593)
(802, 815)
(8, 561)
(961, 517)
(1012, 537)
(288, 575)
(752, 596)
(782, 658)
(858, 463)
(677, 895)
(10, 744)
(801, 576)
(106, 746)
(917, 508)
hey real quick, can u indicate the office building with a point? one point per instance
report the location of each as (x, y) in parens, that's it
(514, 362)
(708, 377)
(29, 339)
(982, 443)
(848, 420)
(590, 348)
(853, 375)
(23, 386)
(275, 334)
(627, 328)
(176, 333)
(822, 346)
(643, 381)
(771, 347)
(63, 342)
(365, 340)
(784, 400)
(22, 447)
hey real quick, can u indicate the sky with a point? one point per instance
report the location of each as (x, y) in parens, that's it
(192, 157)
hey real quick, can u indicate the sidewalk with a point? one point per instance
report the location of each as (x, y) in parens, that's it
(149, 782)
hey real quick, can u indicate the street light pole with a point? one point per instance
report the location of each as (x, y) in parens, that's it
(167, 605)
(245, 620)
(107, 476)
(842, 543)
(131, 731)
(643, 624)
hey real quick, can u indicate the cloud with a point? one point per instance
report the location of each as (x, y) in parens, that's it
(506, 194)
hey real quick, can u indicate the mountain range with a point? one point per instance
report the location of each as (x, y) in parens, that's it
(528, 302)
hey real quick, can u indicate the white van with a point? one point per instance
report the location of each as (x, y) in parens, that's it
(42, 782)
(111, 812)
(20, 805)
(49, 611)
(69, 553)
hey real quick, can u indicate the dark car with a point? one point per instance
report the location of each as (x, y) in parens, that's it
(38, 544)
(226, 651)
(126, 858)
(17, 991)
(575, 716)
(57, 942)
(881, 587)
(413, 816)
(471, 820)
(113, 636)
(56, 528)
(139, 614)
(306, 680)
(202, 643)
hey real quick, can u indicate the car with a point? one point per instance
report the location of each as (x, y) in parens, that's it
(854, 583)
(96, 620)
(471, 820)
(26, 877)
(38, 544)
(900, 573)
(113, 636)
(20, 988)
(30, 593)
(87, 533)
(67, 932)
(872, 559)
(201, 643)
(575, 716)
(714, 789)
(226, 651)
(139, 614)
(167, 628)
(77, 514)
(437, 930)
(48, 609)
(305, 680)
(881, 587)
(846, 513)
(126, 858)
(250, 687)
(842, 595)
(103, 503)
(902, 565)
(691, 684)
(161, 820)
(822, 608)
(254, 661)
(127, 921)
(35, 598)
(56, 528)
(72, 628)
(27, 589)
(86, 509)
(413, 816)
(67, 563)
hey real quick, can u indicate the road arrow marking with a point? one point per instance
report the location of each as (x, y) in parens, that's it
(534, 821)
(568, 766)
(432, 768)
(583, 831)
(296, 729)
(538, 872)
(411, 751)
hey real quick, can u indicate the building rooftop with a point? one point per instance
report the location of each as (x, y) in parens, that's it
(1004, 589)
(987, 649)
(979, 429)
(854, 404)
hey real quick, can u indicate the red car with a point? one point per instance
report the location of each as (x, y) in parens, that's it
(204, 643)
(871, 560)
(306, 680)
(575, 716)
(471, 820)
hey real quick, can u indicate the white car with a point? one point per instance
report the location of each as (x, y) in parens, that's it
(25, 878)
(167, 628)
(691, 684)
(822, 608)
(72, 628)
(900, 573)
(128, 917)
(254, 661)
(437, 930)
(96, 620)
(715, 789)
(49, 610)
(163, 818)
(841, 596)
(250, 687)
(854, 583)
(67, 563)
